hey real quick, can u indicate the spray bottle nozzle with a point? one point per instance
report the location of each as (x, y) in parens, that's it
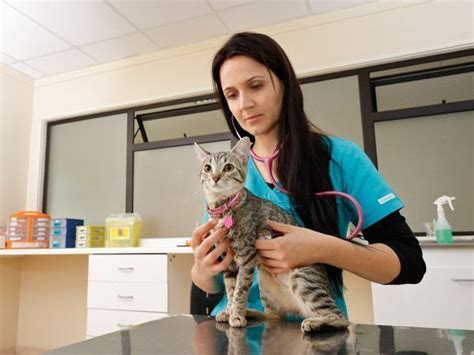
(440, 201)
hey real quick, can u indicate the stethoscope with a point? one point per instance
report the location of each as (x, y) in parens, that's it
(268, 163)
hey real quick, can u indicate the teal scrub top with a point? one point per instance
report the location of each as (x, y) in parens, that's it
(351, 171)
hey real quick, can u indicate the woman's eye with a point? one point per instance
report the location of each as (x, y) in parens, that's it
(257, 86)
(228, 168)
(230, 96)
(207, 168)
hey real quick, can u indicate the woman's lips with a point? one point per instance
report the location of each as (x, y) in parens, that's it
(252, 118)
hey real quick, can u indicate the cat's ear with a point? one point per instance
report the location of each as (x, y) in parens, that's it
(242, 148)
(200, 152)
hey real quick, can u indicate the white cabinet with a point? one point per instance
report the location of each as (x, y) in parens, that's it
(125, 290)
(444, 298)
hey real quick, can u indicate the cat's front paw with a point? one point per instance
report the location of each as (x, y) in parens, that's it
(320, 324)
(222, 317)
(237, 321)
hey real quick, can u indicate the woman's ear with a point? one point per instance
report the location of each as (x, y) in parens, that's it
(200, 152)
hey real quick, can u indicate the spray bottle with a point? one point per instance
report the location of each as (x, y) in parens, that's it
(443, 231)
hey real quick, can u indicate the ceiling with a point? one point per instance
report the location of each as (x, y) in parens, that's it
(43, 38)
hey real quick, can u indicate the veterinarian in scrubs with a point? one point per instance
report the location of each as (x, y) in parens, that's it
(262, 99)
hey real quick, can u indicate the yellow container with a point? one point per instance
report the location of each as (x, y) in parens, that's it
(123, 230)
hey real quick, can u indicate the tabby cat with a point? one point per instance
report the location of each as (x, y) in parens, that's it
(304, 291)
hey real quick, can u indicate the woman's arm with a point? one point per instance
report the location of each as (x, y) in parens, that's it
(394, 232)
(378, 262)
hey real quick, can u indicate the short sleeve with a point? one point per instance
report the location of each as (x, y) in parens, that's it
(360, 179)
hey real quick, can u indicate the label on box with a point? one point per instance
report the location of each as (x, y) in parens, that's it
(119, 232)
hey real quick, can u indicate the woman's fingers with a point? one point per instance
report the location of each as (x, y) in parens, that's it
(206, 245)
(270, 254)
(227, 259)
(279, 227)
(270, 244)
(268, 262)
(217, 251)
(273, 270)
(224, 264)
(200, 232)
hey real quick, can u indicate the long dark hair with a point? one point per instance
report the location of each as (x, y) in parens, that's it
(303, 163)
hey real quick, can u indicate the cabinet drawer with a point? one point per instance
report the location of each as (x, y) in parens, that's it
(450, 257)
(135, 296)
(128, 268)
(444, 299)
(100, 321)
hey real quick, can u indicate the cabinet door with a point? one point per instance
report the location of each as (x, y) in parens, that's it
(128, 296)
(101, 321)
(129, 268)
(444, 299)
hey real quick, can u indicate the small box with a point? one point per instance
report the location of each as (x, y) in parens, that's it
(81, 244)
(63, 232)
(91, 230)
(90, 237)
(66, 222)
(57, 242)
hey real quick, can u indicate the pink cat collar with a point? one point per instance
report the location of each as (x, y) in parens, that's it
(219, 211)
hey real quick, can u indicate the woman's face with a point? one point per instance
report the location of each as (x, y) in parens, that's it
(254, 100)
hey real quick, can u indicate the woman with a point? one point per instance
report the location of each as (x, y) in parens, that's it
(261, 98)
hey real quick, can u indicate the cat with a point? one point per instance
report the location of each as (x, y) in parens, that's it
(304, 291)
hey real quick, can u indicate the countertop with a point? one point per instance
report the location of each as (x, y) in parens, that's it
(185, 334)
(147, 246)
(461, 240)
(179, 246)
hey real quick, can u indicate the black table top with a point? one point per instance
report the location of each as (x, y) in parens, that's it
(202, 335)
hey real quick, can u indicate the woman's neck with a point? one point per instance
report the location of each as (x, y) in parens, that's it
(265, 146)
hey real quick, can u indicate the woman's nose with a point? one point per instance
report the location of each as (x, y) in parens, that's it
(246, 102)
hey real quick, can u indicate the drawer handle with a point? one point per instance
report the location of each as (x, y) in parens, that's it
(463, 280)
(125, 297)
(124, 326)
(126, 268)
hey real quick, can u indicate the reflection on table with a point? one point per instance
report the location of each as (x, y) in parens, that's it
(187, 334)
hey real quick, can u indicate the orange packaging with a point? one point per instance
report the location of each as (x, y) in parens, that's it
(28, 229)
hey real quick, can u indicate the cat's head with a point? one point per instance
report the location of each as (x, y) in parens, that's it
(223, 174)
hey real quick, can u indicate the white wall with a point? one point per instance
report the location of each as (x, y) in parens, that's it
(16, 110)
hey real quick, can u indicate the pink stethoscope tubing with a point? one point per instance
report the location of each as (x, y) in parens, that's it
(268, 165)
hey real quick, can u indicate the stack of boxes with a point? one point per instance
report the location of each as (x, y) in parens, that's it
(63, 232)
(32, 229)
(28, 229)
(90, 237)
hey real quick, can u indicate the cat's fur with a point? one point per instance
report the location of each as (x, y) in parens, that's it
(305, 291)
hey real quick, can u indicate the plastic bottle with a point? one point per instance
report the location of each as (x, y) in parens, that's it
(443, 231)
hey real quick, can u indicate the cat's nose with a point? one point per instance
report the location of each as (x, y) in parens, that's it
(216, 178)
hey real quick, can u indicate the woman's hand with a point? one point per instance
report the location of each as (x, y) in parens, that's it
(296, 247)
(206, 261)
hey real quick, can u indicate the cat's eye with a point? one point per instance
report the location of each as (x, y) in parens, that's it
(228, 168)
(207, 168)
